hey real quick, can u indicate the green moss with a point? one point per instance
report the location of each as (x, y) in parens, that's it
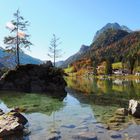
(103, 114)
(31, 102)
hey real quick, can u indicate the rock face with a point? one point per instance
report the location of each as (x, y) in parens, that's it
(34, 78)
(134, 108)
(11, 123)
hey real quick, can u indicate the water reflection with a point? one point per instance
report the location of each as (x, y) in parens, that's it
(112, 88)
(88, 101)
(104, 95)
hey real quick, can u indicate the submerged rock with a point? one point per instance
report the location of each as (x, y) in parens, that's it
(54, 135)
(1, 112)
(35, 78)
(11, 123)
(122, 111)
(85, 136)
(118, 120)
(134, 108)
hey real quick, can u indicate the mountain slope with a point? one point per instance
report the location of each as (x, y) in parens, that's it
(59, 63)
(108, 37)
(109, 34)
(8, 59)
(76, 56)
(118, 50)
(114, 26)
(99, 47)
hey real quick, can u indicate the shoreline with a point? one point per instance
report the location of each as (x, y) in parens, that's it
(113, 76)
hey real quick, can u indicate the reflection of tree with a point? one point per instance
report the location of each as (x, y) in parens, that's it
(105, 88)
(127, 90)
(94, 86)
(137, 88)
(108, 86)
(97, 99)
(80, 84)
(131, 90)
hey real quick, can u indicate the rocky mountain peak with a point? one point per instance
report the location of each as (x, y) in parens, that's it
(114, 26)
(83, 48)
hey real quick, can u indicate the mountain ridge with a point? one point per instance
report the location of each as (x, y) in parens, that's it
(118, 50)
(75, 56)
(108, 34)
(114, 26)
(8, 59)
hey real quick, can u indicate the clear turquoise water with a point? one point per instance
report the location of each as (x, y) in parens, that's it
(79, 112)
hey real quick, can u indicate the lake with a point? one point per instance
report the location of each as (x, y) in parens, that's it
(83, 114)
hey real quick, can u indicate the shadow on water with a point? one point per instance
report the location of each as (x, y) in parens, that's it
(17, 137)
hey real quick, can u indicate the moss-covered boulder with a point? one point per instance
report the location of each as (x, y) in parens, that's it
(35, 78)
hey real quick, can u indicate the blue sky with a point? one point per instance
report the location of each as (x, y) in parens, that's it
(74, 21)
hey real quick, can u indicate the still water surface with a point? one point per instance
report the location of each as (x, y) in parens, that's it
(86, 108)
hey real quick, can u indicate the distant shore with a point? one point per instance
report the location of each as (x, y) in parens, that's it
(113, 76)
(128, 77)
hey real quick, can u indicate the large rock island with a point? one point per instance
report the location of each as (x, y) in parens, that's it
(42, 78)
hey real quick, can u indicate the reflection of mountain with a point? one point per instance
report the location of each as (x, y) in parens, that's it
(31, 102)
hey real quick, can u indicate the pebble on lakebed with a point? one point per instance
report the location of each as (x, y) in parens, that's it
(119, 118)
(122, 117)
(11, 123)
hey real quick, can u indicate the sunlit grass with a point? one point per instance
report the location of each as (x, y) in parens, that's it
(117, 65)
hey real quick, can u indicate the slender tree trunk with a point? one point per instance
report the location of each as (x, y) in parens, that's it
(18, 61)
(54, 61)
(54, 56)
(17, 50)
(17, 43)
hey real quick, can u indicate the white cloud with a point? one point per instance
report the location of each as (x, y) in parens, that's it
(10, 25)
